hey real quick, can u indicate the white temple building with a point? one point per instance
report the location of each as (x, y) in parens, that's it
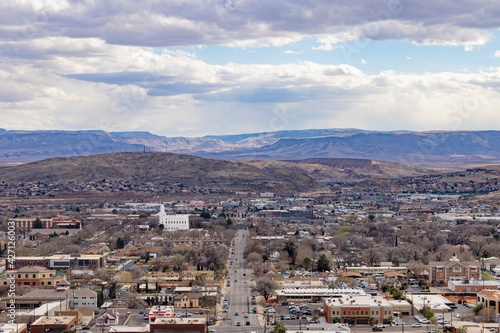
(173, 221)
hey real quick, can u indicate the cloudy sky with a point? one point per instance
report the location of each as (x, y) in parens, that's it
(193, 68)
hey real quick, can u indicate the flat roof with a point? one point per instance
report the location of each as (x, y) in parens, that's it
(435, 302)
(54, 320)
(357, 300)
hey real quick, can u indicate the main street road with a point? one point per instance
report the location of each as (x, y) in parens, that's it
(239, 293)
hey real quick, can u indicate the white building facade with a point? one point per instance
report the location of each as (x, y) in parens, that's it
(173, 221)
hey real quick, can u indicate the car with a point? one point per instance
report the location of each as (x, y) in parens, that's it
(245, 315)
(292, 317)
(375, 328)
(456, 315)
(416, 325)
(235, 280)
(491, 329)
(211, 330)
(85, 327)
(247, 323)
(380, 326)
(140, 312)
(238, 323)
(224, 310)
(288, 317)
(236, 314)
(245, 281)
(128, 312)
(244, 274)
(284, 303)
(282, 317)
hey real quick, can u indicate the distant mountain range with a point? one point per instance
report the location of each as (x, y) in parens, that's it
(447, 149)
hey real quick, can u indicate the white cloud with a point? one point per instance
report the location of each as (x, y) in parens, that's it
(293, 52)
(497, 54)
(408, 57)
(363, 61)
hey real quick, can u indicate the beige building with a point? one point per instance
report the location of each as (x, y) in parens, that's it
(358, 309)
(31, 276)
(185, 300)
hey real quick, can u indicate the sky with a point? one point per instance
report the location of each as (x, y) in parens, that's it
(194, 68)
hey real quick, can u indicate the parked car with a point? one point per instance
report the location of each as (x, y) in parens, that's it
(238, 323)
(85, 327)
(375, 328)
(380, 326)
(416, 325)
(211, 330)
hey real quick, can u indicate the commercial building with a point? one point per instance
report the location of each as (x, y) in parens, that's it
(358, 309)
(78, 298)
(63, 261)
(313, 295)
(13, 328)
(471, 286)
(28, 224)
(31, 276)
(53, 324)
(490, 300)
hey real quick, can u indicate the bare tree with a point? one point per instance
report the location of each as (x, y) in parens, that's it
(265, 287)
(254, 257)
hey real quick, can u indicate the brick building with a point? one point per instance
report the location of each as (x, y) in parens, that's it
(454, 269)
(53, 324)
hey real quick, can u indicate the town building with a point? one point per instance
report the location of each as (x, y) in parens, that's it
(187, 300)
(53, 324)
(358, 309)
(312, 295)
(31, 276)
(472, 286)
(61, 261)
(173, 221)
(454, 269)
(109, 317)
(13, 328)
(78, 298)
(24, 225)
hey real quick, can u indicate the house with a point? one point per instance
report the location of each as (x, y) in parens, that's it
(109, 318)
(187, 300)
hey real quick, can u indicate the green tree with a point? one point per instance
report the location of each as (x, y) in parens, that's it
(323, 263)
(279, 328)
(291, 248)
(38, 224)
(335, 320)
(112, 291)
(462, 329)
(100, 298)
(120, 243)
(205, 215)
(478, 308)
(427, 312)
(485, 276)
(372, 321)
(307, 263)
